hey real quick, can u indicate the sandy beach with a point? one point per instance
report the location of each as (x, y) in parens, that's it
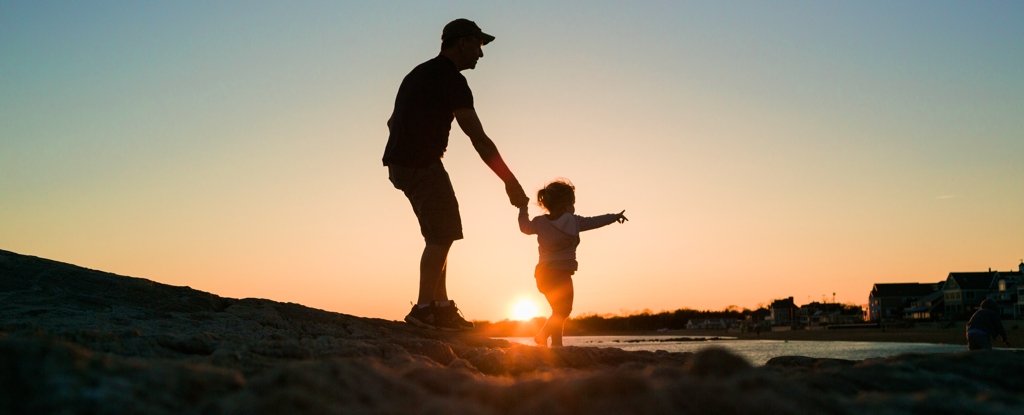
(74, 340)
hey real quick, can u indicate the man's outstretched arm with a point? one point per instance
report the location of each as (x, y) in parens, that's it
(470, 124)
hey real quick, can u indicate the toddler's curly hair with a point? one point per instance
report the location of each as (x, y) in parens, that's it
(557, 196)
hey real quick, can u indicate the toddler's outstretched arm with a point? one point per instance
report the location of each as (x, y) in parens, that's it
(594, 222)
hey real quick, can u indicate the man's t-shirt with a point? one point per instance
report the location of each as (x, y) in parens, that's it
(423, 114)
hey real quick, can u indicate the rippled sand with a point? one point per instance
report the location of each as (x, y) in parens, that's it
(79, 341)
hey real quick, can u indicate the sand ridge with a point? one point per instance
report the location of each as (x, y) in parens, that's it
(74, 340)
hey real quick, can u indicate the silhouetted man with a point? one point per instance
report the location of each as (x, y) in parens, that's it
(429, 98)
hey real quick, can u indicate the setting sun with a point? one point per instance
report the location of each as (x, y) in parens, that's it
(524, 309)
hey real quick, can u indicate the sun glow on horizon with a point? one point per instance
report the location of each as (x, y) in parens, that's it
(524, 309)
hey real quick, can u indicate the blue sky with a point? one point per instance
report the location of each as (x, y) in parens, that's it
(764, 149)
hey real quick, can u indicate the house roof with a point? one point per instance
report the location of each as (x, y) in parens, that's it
(784, 303)
(827, 307)
(903, 289)
(973, 280)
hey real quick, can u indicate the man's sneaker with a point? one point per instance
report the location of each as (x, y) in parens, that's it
(422, 316)
(450, 318)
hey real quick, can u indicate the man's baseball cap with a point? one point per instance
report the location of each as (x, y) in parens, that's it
(464, 27)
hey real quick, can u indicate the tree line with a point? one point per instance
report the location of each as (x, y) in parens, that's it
(643, 321)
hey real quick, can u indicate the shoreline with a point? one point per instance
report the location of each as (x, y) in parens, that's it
(951, 336)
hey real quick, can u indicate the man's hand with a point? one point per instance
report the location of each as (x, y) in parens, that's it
(516, 195)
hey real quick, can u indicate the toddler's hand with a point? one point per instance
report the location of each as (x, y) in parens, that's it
(622, 218)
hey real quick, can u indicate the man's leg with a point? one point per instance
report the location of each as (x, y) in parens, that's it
(433, 270)
(433, 296)
(434, 288)
(432, 197)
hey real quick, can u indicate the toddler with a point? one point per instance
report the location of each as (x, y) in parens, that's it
(558, 234)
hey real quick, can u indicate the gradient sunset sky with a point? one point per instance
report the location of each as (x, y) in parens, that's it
(761, 149)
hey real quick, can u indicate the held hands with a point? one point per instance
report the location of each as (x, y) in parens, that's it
(622, 218)
(516, 195)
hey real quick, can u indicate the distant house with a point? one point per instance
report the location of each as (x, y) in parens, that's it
(964, 292)
(783, 312)
(890, 301)
(824, 314)
(927, 308)
(711, 324)
(1018, 309)
(761, 314)
(1006, 295)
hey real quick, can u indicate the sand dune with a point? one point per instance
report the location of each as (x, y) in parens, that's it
(74, 340)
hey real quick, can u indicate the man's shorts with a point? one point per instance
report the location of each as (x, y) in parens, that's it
(430, 192)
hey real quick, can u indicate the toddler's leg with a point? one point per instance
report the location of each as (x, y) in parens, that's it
(541, 338)
(560, 299)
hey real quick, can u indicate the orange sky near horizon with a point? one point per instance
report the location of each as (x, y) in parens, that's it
(761, 151)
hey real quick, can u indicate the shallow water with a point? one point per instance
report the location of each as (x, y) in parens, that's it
(758, 352)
